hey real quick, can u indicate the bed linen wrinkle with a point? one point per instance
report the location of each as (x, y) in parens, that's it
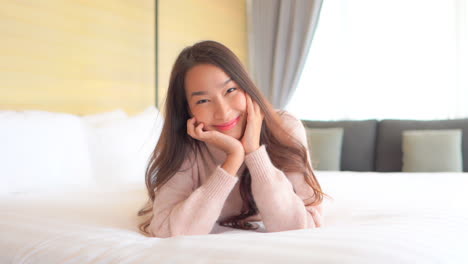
(364, 224)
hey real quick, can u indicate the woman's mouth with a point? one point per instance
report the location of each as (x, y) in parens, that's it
(229, 125)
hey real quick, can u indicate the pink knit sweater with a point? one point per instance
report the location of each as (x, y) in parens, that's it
(202, 193)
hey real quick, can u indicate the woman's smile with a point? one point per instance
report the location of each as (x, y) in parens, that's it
(229, 125)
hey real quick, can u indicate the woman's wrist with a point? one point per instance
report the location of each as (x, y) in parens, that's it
(252, 149)
(233, 162)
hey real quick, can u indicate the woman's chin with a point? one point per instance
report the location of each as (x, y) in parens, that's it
(233, 133)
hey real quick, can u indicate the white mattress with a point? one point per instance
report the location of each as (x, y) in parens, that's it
(374, 218)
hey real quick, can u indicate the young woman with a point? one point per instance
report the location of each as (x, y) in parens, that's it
(225, 155)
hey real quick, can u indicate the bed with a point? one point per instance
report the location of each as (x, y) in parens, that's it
(374, 217)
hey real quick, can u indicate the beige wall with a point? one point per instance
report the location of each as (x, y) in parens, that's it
(85, 57)
(183, 22)
(77, 56)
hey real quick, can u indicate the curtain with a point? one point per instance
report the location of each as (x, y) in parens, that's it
(280, 34)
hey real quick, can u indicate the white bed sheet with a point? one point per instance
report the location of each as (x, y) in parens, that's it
(374, 218)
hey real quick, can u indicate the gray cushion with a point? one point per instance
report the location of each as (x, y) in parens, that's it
(389, 153)
(432, 150)
(359, 136)
(325, 147)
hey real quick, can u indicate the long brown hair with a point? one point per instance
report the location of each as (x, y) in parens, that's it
(174, 144)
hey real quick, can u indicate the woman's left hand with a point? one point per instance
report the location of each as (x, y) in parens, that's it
(251, 138)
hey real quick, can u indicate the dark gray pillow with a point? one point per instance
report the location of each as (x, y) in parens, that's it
(358, 147)
(389, 153)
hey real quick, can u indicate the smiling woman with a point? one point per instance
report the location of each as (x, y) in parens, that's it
(223, 145)
(215, 100)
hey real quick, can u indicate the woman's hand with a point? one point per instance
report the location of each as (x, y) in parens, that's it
(226, 143)
(232, 147)
(251, 138)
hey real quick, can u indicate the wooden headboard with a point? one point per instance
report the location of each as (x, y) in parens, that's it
(78, 57)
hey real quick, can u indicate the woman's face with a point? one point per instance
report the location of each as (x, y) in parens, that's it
(215, 100)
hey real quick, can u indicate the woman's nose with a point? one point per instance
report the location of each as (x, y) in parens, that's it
(222, 111)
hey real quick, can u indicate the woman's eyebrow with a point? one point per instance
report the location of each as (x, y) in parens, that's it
(198, 93)
(225, 82)
(204, 92)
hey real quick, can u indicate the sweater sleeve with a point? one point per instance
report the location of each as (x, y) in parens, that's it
(178, 209)
(281, 197)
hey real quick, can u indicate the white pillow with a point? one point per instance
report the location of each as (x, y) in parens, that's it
(325, 147)
(120, 149)
(99, 118)
(432, 150)
(43, 151)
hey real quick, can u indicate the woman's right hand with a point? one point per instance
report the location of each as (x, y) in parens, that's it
(228, 144)
(231, 146)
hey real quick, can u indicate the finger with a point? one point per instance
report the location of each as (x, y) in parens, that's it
(316, 216)
(250, 107)
(199, 130)
(256, 108)
(190, 126)
(247, 102)
(260, 112)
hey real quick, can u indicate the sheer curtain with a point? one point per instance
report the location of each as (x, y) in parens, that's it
(280, 33)
(404, 59)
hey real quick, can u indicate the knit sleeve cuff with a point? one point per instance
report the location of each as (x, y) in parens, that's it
(260, 165)
(220, 184)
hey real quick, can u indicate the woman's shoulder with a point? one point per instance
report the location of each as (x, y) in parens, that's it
(293, 126)
(289, 120)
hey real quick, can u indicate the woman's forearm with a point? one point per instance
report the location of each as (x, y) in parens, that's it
(232, 163)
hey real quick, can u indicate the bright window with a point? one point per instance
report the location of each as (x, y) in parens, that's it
(381, 59)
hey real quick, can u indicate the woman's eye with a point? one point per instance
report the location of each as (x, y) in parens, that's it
(230, 90)
(201, 101)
